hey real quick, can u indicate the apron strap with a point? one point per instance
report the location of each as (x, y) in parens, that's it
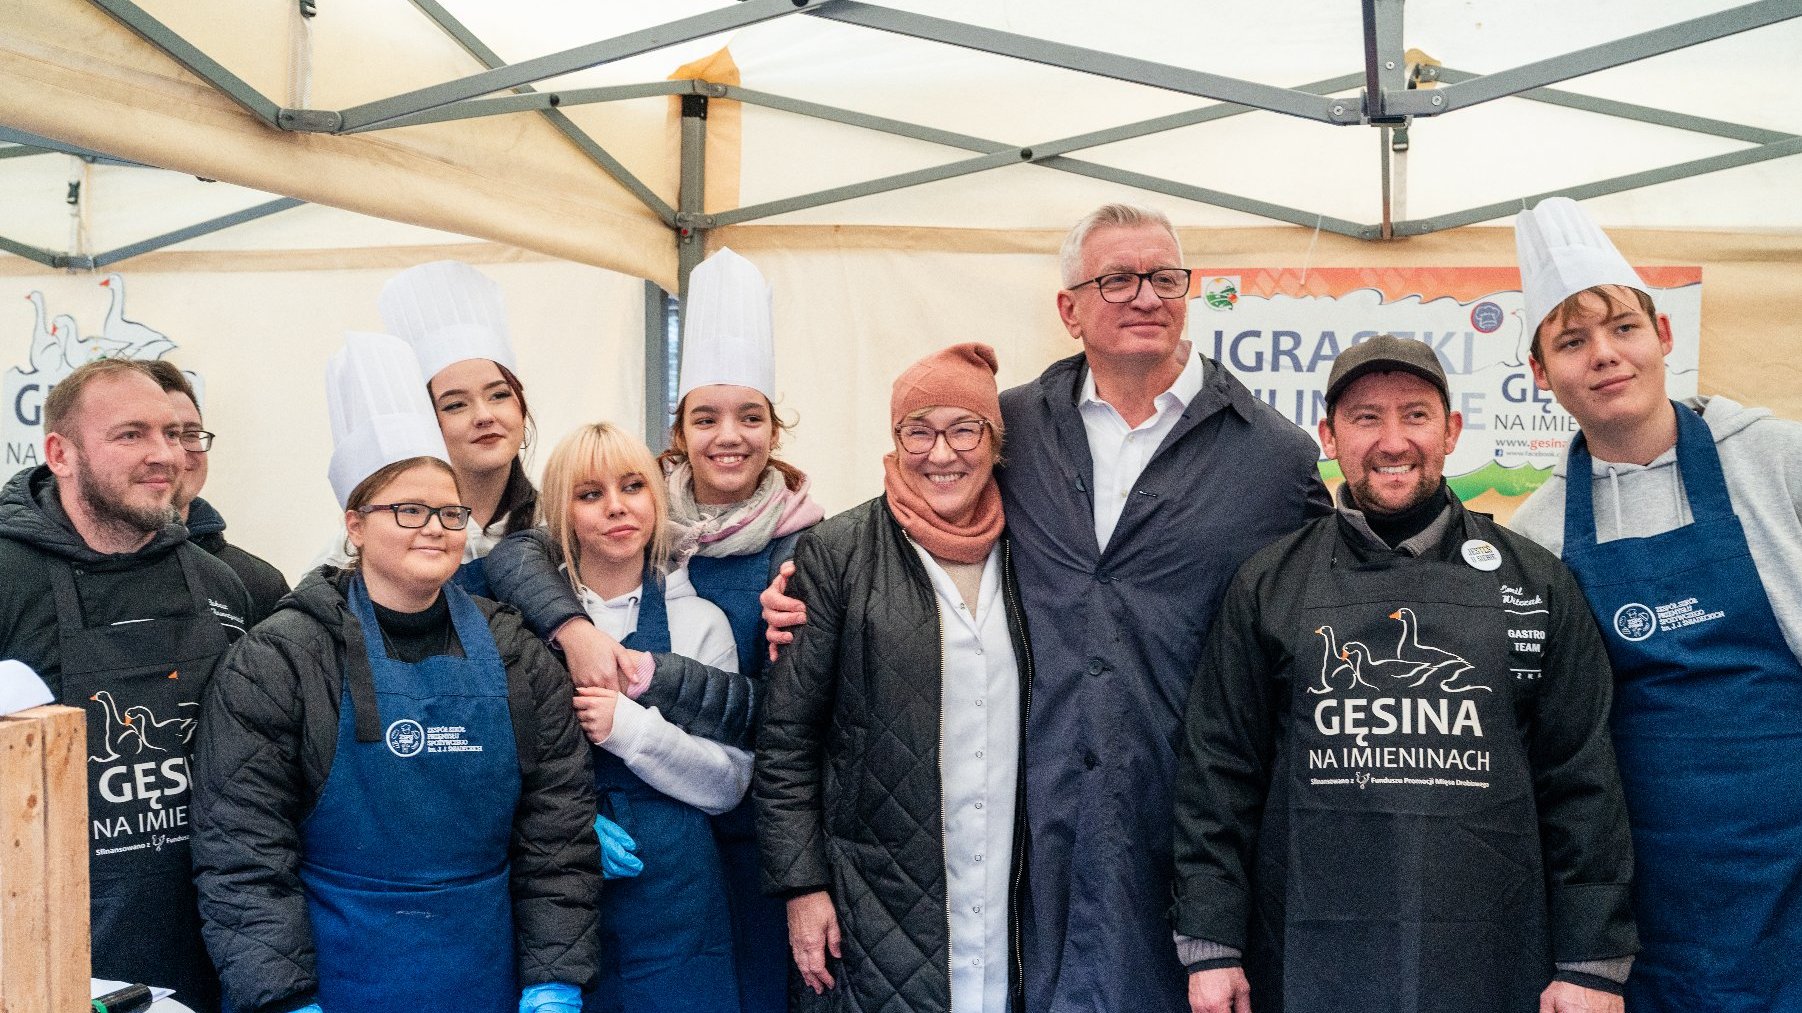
(653, 632)
(357, 668)
(1579, 496)
(68, 602)
(477, 639)
(1703, 479)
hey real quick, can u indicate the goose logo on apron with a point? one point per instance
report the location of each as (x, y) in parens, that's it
(1418, 698)
(406, 738)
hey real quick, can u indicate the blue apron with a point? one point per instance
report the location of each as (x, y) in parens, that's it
(1708, 728)
(733, 583)
(665, 933)
(759, 923)
(405, 857)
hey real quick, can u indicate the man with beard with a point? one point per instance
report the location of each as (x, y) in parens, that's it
(1396, 788)
(206, 528)
(108, 601)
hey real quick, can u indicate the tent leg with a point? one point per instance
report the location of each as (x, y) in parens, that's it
(691, 247)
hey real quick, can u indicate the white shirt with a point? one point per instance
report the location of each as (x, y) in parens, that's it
(1121, 452)
(703, 773)
(978, 766)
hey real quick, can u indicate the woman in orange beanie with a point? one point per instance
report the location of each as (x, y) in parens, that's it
(888, 762)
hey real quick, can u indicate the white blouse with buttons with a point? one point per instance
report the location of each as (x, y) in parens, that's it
(980, 714)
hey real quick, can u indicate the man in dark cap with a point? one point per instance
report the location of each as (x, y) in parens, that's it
(1396, 789)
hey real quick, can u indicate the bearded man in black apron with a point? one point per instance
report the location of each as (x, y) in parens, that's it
(1397, 793)
(122, 616)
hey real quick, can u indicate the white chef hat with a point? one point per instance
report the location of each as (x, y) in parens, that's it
(727, 336)
(448, 311)
(1562, 252)
(379, 410)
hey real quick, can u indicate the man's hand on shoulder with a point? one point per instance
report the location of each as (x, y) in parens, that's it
(780, 611)
(1564, 997)
(1222, 990)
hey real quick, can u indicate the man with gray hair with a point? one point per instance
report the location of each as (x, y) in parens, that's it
(1139, 475)
(122, 616)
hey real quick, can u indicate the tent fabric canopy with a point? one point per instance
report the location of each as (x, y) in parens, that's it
(800, 103)
(72, 73)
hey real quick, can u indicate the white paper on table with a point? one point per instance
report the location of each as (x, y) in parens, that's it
(101, 986)
(21, 688)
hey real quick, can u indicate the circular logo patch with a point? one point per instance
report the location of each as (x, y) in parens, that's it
(1481, 555)
(1634, 621)
(1486, 317)
(406, 738)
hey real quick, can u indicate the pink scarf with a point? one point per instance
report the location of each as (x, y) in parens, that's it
(961, 541)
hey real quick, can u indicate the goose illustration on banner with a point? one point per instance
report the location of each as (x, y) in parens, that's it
(137, 340)
(46, 345)
(77, 350)
(55, 348)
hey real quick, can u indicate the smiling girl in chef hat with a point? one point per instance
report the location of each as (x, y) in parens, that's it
(449, 859)
(455, 319)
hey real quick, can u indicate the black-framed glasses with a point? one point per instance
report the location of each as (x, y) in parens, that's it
(454, 517)
(1166, 283)
(920, 438)
(197, 440)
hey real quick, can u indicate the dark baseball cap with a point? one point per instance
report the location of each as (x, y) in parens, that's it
(1385, 353)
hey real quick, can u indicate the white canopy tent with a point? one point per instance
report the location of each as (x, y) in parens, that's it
(901, 172)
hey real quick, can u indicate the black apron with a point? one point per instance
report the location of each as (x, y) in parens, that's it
(1398, 863)
(141, 684)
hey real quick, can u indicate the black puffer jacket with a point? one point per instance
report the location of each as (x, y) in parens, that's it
(268, 735)
(262, 581)
(847, 782)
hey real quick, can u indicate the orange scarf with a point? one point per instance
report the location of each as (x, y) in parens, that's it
(961, 541)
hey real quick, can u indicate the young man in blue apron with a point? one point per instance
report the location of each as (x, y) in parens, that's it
(1396, 788)
(1685, 534)
(124, 617)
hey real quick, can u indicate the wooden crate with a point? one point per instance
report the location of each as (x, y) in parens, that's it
(44, 955)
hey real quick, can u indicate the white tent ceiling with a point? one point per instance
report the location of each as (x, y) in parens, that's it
(75, 74)
(863, 285)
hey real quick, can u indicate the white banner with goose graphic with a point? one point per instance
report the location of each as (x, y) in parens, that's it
(57, 345)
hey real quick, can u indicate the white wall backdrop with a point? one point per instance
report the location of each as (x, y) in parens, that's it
(260, 340)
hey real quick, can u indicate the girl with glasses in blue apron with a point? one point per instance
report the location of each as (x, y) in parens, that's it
(394, 805)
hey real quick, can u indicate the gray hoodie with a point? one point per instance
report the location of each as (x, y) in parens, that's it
(1761, 456)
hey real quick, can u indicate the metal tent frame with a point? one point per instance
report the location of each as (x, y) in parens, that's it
(1389, 94)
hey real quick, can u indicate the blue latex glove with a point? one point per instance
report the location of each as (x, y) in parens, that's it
(617, 859)
(555, 997)
(311, 1007)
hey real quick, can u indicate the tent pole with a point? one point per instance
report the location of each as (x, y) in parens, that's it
(691, 247)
